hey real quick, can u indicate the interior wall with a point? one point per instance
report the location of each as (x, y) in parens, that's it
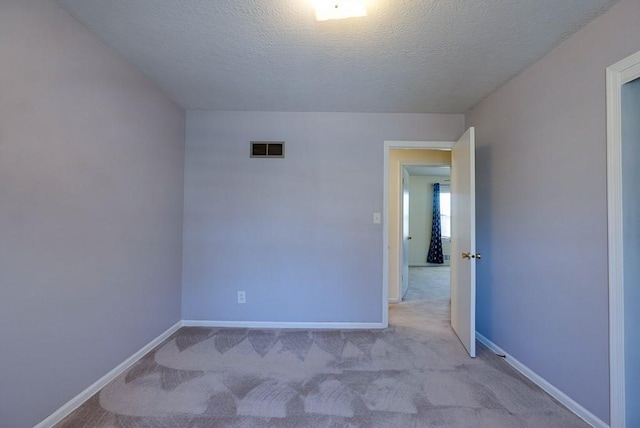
(542, 292)
(421, 219)
(631, 228)
(91, 183)
(397, 157)
(296, 234)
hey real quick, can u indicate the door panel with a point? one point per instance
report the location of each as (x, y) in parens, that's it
(405, 233)
(463, 241)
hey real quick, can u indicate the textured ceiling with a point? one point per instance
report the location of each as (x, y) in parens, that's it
(410, 56)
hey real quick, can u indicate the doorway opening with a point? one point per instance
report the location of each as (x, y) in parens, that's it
(623, 164)
(426, 230)
(397, 231)
(460, 155)
(392, 239)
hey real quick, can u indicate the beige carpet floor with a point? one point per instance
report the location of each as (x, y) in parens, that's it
(413, 374)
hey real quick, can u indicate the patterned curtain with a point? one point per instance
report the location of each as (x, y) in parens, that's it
(435, 248)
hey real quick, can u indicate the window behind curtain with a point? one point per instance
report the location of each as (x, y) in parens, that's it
(445, 211)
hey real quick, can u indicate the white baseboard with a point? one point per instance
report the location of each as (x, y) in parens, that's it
(563, 398)
(76, 401)
(305, 325)
(394, 300)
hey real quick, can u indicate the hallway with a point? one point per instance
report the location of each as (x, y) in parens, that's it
(426, 303)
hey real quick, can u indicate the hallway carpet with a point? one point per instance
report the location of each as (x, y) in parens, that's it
(413, 374)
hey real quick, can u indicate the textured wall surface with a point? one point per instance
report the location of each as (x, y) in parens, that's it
(407, 56)
(542, 210)
(296, 234)
(631, 228)
(91, 182)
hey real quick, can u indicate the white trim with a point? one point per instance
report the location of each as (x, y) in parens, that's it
(76, 401)
(400, 207)
(388, 145)
(617, 75)
(292, 325)
(394, 300)
(400, 237)
(563, 398)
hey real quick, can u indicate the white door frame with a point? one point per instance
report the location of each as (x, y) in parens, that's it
(617, 75)
(401, 225)
(388, 145)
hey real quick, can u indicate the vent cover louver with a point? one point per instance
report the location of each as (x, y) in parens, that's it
(267, 149)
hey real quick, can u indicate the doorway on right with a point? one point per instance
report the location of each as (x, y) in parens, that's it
(623, 164)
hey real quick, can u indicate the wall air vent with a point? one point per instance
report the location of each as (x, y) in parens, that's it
(267, 149)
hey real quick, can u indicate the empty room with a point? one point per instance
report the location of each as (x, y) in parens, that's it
(308, 213)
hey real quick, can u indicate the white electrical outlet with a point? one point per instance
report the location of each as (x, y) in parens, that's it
(242, 297)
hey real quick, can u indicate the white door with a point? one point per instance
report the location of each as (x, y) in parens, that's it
(463, 240)
(405, 233)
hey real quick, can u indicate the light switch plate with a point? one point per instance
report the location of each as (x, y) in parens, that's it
(377, 218)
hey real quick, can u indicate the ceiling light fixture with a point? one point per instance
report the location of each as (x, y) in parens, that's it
(339, 9)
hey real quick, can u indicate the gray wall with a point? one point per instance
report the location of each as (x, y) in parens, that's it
(296, 234)
(631, 227)
(541, 211)
(91, 184)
